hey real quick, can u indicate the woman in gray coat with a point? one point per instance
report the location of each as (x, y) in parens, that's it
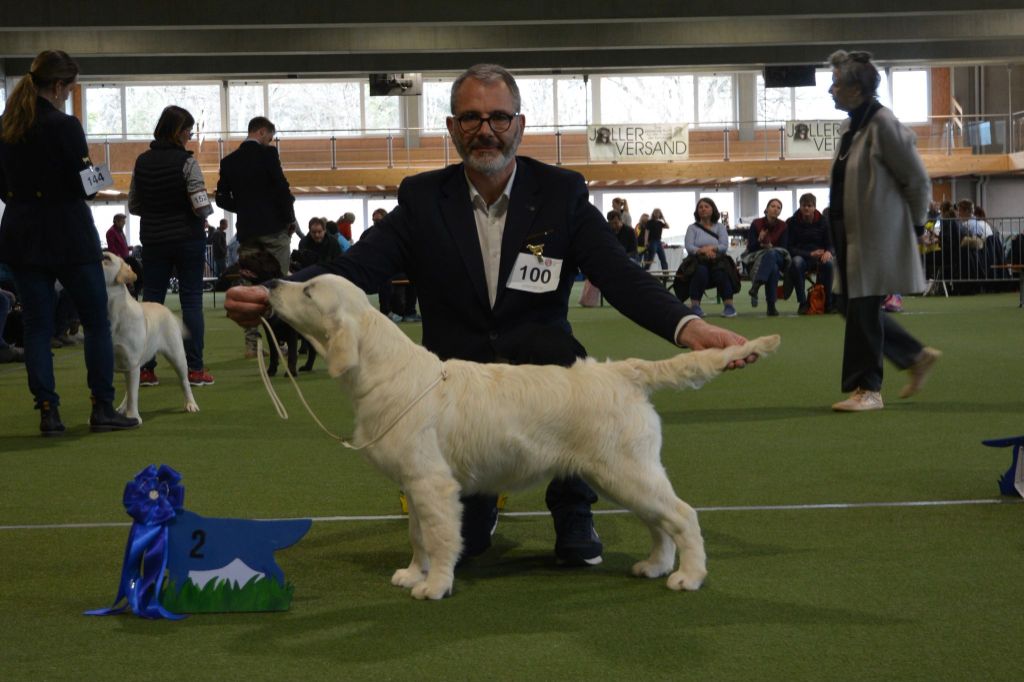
(879, 198)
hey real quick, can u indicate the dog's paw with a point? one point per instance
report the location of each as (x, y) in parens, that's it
(191, 407)
(765, 345)
(407, 577)
(649, 569)
(432, 590)
(687, 580)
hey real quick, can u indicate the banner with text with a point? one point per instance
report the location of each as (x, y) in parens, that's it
(812, 139)
(639, 142)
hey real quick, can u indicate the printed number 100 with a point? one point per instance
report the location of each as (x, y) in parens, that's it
(535, 274)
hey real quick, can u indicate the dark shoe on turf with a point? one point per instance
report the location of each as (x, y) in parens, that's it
(479, 521)
(11, 354)
(772, 310)
(105, 418)
(803, 308)
(49, 420)
(576, 541)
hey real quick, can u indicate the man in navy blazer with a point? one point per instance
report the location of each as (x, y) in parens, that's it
(253, 186)
(493, 245)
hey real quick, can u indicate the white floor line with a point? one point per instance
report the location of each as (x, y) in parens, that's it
(601, 512)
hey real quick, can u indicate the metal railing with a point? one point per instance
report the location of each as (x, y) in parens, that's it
(418, 147)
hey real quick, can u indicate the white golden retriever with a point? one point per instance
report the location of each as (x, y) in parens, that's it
(140, 331)
(490, 428)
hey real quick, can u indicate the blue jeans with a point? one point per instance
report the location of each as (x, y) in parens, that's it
(800, 267)
(768, 275)
(85, 284)
(187, 260)
(655, 247)
(704, 276)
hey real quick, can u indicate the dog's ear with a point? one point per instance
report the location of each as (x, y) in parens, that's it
(125, 275)
(342, 347)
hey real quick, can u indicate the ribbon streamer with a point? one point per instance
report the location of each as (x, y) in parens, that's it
(152, 499)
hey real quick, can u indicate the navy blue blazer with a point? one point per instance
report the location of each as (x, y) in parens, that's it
(46, 222)
(431, 236)
(253, 186)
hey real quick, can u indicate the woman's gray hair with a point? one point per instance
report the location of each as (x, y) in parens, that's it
(488, 73)
(855, 68)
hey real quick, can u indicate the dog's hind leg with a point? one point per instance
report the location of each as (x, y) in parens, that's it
(646, 491)
(176, 356)
(129, 407)
(434, 500)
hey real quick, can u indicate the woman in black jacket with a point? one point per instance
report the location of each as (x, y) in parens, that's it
(169, 194)
(47, 234)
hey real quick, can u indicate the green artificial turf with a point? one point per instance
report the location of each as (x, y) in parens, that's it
(797, 589)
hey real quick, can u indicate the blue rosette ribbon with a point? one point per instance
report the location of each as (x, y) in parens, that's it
(152, 499)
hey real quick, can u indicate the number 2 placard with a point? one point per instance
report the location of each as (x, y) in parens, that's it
(535, 275)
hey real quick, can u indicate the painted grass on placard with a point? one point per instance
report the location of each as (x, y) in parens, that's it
(223, 596)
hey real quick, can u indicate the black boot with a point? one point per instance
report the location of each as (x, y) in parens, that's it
(49, 420)
(105, 418)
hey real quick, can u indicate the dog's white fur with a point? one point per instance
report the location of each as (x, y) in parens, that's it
(140, 331)
(495, 427)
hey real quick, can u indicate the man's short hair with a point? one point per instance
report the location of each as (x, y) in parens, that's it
(315, 220)
(349, 217)
(260, 122)
(808, 199)
(119, 216)
(614, 215)
(966, 206)
(223, 222)
(488, 73)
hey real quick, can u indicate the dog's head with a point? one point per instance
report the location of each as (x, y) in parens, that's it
(259, 266)
(116, 271)
(328, 310)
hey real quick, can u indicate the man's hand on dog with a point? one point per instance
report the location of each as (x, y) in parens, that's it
(699, 335)
(246, 304)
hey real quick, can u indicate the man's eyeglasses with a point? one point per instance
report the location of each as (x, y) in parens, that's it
(471, 121)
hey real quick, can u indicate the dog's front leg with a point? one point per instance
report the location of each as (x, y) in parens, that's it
(419, 565)
(438, 516)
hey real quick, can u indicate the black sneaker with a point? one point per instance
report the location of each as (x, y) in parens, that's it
(576, 541)
(105, 418)
(479, 521)
(49, 420)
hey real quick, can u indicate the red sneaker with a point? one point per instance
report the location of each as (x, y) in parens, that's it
(199, 377)
(147, 377)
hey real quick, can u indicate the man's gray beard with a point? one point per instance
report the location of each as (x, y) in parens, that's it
(494, 166)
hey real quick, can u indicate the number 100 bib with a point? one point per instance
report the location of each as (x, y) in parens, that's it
(535, 275)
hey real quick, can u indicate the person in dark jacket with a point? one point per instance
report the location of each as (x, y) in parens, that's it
(47, 235)
(318, 247)
(168, 193)
(253, 186)
(625, 235)
(810, 247)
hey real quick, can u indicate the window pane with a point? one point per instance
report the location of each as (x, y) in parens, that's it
(103, 110)
(145, 102)
(774, 105)
(573, 102)
(245, 102)
(302, 109)
(436, 105)
(820, 194)
(910, 95)
(538, 101)
(647, 99)
(715, 99)
(382, 113)
(815, 103)
(783, 195)
(3, 98)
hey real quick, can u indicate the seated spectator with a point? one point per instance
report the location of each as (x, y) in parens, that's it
(810, 247)
(973, 233)
(8, 352)
(625, 234)
(334, 231)
(317, 247)
(707, 262)
(345, 227)
(949, 241)
(117, 244)
(766, 257)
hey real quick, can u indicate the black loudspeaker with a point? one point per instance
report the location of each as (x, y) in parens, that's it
(795, 76)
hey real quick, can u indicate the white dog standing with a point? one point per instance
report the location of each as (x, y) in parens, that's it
(140, 331)
(441, 429)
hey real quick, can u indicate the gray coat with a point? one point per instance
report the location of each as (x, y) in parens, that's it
(886, 193)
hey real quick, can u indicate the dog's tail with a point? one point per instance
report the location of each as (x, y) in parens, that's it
(694, 369)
